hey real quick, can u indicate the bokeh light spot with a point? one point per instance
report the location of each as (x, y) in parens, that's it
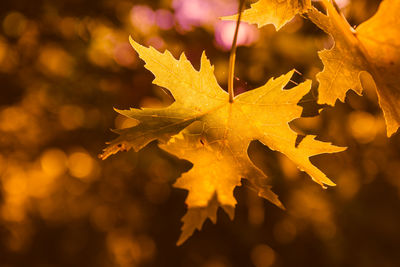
(53, 162)
(55, 61)
(164, 19)
(71, 117)
(124, 55)
(80, 164)
(14, 24)
(142, 18)
(363, 126)
(225, 31)
(262, 256)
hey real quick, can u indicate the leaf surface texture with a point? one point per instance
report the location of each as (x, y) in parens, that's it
(276, 12)
(202, 126)
(374, 47)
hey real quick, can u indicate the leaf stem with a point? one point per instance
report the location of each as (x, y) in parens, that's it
(340, 20)
(348, 32)
(232, 56)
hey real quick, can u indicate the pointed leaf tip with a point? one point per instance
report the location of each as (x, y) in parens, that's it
(218, 150)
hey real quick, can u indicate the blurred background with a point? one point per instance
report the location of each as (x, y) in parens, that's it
(65, 64)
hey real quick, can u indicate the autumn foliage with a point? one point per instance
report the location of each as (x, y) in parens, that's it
(287, 156)
(202, 126)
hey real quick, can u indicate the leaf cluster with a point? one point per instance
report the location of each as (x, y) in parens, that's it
(213, 133)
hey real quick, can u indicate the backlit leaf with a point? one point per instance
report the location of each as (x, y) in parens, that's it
(276, 12)
(374, 47)
(202, 126)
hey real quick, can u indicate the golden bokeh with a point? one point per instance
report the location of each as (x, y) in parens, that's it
(64, 66)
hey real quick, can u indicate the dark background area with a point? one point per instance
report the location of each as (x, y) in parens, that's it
(64, 65)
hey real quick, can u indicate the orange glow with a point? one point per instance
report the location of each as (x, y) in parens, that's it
(71, 117)
(80, 164)
(263, 256)
(130, 251)
(56, 61)
(364, 126)
(64, 66)
(14, 24)
(13, 119)
(53, 162)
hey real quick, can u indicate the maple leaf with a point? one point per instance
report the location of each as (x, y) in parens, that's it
(217, 170)
(374, 48)
(218, 148)
(276, 12)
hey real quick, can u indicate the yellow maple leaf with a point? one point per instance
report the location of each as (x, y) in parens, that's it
(217, 170)
(374, 48)
(276, 12)
(218, 149)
